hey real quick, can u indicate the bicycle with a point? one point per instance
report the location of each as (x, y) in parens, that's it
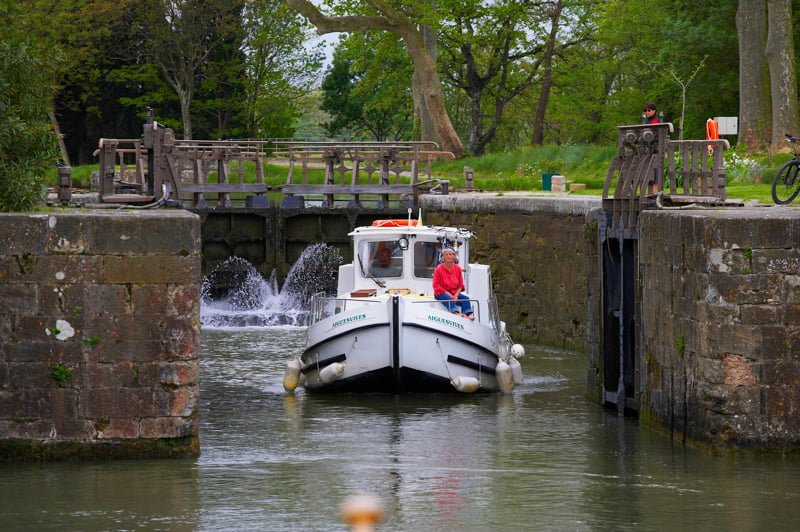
(786, 185)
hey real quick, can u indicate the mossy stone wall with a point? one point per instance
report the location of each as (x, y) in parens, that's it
(99, 334)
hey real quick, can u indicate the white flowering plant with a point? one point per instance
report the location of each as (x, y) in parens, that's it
(742, 169)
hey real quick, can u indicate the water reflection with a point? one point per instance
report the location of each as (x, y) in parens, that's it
(540, 458)
(114, 495)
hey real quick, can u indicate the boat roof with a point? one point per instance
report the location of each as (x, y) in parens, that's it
(451, 233)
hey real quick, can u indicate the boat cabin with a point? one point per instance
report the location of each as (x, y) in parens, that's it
(402, 258)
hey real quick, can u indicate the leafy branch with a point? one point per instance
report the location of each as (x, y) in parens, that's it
(683, 84)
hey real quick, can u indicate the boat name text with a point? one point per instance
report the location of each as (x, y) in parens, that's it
(451, 323)
(357, 317)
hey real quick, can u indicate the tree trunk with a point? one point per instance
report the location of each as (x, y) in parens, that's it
(783, 80)
(186, 116)
(476, 124)
(480, 144)
(547, 79)
(427, 131)
(755, 123)
(431, 89)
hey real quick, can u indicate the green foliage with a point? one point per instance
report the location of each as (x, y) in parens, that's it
(92, 340)
(521, 169)
(367, 91)
(680, 344)
(280, 68)
(27, 142)
(59, 373)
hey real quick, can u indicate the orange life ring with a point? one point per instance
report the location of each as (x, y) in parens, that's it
(712, 132)
(712, 129)
(394, 223)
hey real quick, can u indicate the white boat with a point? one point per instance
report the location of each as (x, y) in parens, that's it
(385, 332)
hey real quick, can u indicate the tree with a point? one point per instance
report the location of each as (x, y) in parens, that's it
(280, 68)
(220, 93)
(780, 55)
(182, 34)
(367, 89)
(683, 83)
(554, 15)
(28, 146)
(767, 73)
(82, 30)
(409, 29)
(489, 53)
(755, 124)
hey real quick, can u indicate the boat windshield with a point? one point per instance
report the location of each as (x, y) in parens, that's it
(384, 258)
(426, 255)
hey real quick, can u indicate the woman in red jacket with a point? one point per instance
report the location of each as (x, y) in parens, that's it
(448, 285)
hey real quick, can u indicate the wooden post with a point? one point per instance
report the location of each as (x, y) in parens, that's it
(108, 150)
(64, 184)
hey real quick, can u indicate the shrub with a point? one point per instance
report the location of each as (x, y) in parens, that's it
(28, 146)
(742, 169)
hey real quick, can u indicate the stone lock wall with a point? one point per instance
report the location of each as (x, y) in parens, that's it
(99, 334)
(720, 356)
(543, 255)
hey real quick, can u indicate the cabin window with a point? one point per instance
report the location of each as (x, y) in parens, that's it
(425, 259)
(384, 258)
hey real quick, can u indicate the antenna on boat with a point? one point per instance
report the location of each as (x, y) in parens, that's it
(419, 221)
(409, 217)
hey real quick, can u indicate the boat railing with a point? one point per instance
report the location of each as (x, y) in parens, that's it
(494, 313)
(323, 306)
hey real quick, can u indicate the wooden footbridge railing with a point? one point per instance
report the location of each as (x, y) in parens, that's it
(158, 167)
(360, 169)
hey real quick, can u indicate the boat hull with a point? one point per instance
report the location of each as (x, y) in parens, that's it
(399, 344)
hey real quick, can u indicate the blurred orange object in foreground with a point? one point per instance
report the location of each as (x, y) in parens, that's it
(362, 512)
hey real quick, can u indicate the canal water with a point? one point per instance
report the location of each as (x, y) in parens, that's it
(540, 458)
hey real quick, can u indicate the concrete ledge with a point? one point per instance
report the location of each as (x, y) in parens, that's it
(511, 202)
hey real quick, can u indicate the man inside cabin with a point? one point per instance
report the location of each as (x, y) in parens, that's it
(382, 264)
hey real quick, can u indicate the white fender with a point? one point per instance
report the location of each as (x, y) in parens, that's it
(291, 377)
(466, 384)
(516, 370)
(331, 372)
(505, 380)
(517, 351)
